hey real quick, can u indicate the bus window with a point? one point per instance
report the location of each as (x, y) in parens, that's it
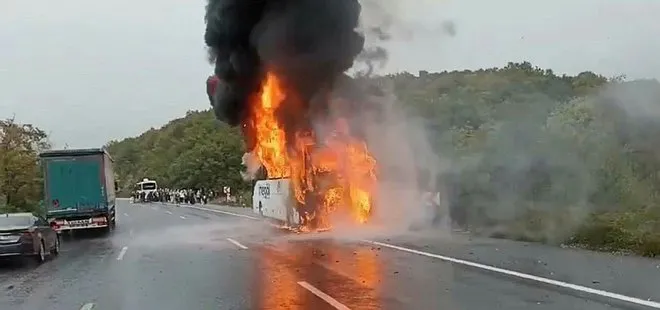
(148, 186)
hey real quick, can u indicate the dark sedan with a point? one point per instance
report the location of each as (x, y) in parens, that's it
(26, 234)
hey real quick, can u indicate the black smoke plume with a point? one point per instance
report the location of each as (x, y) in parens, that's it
(307, 43)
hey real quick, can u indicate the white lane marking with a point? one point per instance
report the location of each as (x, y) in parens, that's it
(223, 212)
(236, 243)
(168, 212)
(87, 306)
(125, 214)
(575, 287)
(130, 232)
(122, 253)
(327, 298)
(182, 217)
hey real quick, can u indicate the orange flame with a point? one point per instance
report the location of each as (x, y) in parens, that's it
(271, 143)
(337, 175)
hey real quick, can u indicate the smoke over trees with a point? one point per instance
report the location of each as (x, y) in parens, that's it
(307, 43)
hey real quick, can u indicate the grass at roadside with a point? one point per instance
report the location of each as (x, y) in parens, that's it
(635, 232)
(630, 232)
(243, 200)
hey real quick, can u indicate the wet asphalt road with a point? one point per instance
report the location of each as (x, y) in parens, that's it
(168, 257)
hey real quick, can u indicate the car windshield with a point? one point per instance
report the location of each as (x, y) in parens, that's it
(12, 220)
(148, 186)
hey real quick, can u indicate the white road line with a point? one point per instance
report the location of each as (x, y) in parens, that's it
(122, 253)
(236, 243)
(130, 232)
(182, 217)
(223, 212)
(168, 212)
(87, 306)
(575, 287)
(327, 298)
(125, 214)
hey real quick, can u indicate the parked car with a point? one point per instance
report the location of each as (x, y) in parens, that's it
(27, 235)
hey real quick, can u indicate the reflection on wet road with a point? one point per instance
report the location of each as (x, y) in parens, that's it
(291, 271)
(169, 257)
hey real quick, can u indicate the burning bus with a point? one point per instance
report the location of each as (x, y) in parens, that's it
(276, 77)
(302, 184)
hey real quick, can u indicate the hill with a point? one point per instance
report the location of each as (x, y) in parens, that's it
(191, 152)
(533, 155)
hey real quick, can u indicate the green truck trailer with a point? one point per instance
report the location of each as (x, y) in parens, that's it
(79, 189)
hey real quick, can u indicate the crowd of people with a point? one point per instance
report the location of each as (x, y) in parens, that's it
(177, 196)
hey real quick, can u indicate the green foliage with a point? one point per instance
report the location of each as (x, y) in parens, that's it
(20, 174)
(534, 155)
(541, 157)
(192, 152)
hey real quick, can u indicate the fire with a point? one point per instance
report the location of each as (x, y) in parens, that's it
(335, 176)
(271, 142)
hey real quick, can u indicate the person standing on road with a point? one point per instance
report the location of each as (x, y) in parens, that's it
(204, 196)
(191, 196)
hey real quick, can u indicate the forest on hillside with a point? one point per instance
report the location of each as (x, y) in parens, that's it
(534, 155)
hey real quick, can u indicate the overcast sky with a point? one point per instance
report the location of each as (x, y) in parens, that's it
(91, 71)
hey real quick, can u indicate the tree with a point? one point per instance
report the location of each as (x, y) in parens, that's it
(196, 151)
(20, 175)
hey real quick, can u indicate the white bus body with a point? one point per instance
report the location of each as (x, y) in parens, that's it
(146, 186)
(274, 199)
